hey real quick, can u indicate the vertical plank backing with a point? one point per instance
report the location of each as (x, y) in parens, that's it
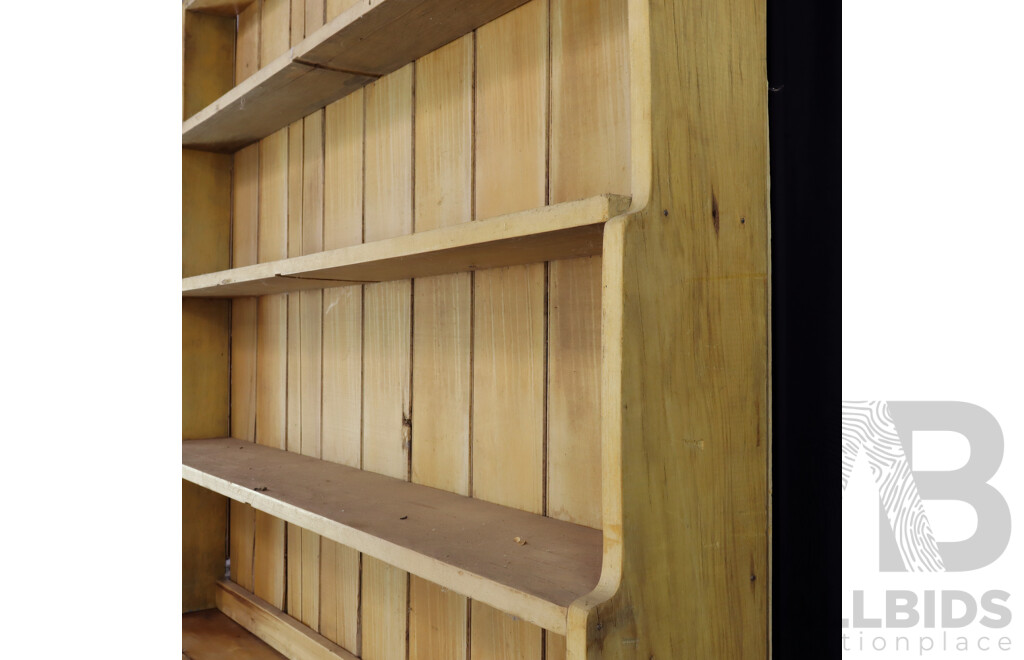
(311, 329)
(335, 7)
(314, 15)
(272, 359)
(275, 30)
(590, 126)
(589, 98)
(342, 357)
(245, 200)
(298, 22)
(387, 335)
(294, 403)
(442, 312)
(247, 41)
(205, 382)
(508, 335)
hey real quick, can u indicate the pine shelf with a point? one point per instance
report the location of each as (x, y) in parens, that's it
(560, 231)
(369, 40)
(464, 544)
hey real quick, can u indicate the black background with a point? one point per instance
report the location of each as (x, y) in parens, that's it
(805, 123)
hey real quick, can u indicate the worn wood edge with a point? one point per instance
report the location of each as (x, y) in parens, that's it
(263, 76)
(218, 7)
(641, 182)
(533, 223)
(641, 150)
(531, 608)
(611, 440)
(279, 630)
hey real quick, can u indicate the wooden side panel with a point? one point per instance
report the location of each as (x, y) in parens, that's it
(205, 212)
(706, 230)
(208, 60)
(342, 357)
(205, 327)
(275, 30)
(387, 335)
(247, 42)
(508, 334)
(442, 313)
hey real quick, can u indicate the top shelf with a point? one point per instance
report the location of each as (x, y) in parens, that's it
(369, 40)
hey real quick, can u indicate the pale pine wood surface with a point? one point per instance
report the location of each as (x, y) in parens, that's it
(211, 635)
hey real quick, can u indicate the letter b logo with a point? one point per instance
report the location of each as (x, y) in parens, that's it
(883, 430)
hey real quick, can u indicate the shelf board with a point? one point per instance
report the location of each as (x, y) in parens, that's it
(369, 40)
(560, 231)
(219, 7)
(211, 635)
(463, 544)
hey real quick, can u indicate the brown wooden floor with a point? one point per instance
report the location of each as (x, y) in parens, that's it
(209, 635)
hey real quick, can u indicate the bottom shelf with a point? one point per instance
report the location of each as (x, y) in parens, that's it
(525, 564)
(211, 635)
(245, 627)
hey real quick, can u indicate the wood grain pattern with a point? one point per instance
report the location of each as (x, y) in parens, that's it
(388, 178)
(384, 610)
(387, 337)
(297, 30)
(437, 622)
(590, 99)
(247, 42)
(442, 311)
(274, 627)
(343, 172)
(205, 368)
(271, 360)
(245, 230)
(339, 594)
(275, 30)
(207, 61)
(314, 18)
(508, 333)
(218, 7)
(502, 636)
(574, 393)
(342, 358)
(561, 231)
(704, 227)
(511, 71)
(203, 533)
(211, 635)
(465, 544)
(335, 7)
(205, 212)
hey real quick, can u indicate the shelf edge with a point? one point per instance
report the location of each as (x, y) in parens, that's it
(531, 608)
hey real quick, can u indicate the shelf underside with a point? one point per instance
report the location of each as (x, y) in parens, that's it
(369, 40)
(464, 544)
(561, 231)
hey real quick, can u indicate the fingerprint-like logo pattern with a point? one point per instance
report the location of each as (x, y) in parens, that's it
(868, 426)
